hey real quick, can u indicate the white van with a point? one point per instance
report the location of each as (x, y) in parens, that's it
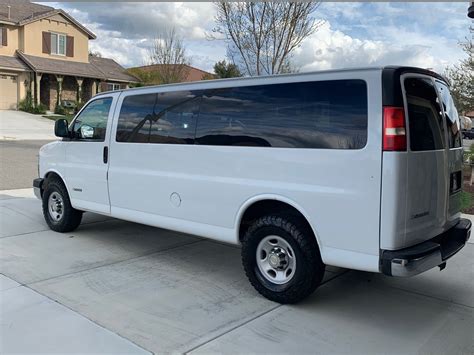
(356, 168)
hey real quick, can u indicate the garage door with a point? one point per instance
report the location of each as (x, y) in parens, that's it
(8, 92)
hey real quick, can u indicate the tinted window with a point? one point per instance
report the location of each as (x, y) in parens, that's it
(158, 118)
(91, 123)
(451, 115)
(327, 114)
(424, 115)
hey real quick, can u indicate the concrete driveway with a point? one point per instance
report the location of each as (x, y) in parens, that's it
(114, 286)
(18, 125)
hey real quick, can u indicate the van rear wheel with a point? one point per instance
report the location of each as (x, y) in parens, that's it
(281, 258)
(57, 210)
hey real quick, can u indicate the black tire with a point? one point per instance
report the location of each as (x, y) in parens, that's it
(71, 218)
(309, 269)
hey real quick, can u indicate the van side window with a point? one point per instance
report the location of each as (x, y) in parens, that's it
(176, 123)
(424, 115)
(324, 114)
(91, 123)
(133, 123)
(158, 118)
(451, 114)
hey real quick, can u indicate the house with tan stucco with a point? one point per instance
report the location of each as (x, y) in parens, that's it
(45, 52)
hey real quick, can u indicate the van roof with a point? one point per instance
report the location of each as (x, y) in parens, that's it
(391, 68)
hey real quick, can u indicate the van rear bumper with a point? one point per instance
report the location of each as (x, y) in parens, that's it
(37, 186)
(429, 254)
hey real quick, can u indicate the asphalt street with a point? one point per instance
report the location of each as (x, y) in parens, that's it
(18, 163)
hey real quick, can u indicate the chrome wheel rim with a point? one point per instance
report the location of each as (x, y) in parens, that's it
(276, 259)
(55, 206)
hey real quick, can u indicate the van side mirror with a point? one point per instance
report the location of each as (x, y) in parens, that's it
(61, 129)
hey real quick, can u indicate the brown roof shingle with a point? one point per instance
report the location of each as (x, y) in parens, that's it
(192, 73)
(111, 69)
(21, 10)
(61, 67)
(7, 62)
(98, 68)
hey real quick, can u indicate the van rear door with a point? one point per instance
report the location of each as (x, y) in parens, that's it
(421, 174)
(455, 152)
(427, 180)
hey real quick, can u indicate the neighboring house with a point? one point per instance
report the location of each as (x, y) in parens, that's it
(189, 73)
(45, 51)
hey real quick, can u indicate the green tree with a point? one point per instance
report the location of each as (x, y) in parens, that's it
(223, 69)
(461, 77)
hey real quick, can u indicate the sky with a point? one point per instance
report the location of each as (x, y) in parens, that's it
(353, 34)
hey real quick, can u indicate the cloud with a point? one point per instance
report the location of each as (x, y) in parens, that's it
(145, 19)
(329, 49)
(361, 34)
(355, 34)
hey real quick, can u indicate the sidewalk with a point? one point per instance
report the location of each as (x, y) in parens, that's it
(19, 125)
(114, 286)
(33, 323)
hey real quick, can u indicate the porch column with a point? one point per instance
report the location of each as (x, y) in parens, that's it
(60, 78)
(79, 89)
(97, 86)
(31, 87)
(38, 89)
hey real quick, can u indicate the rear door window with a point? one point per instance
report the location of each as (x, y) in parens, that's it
(424, 115)
(451, 115)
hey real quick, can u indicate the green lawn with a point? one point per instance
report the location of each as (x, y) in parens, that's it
(57, 117)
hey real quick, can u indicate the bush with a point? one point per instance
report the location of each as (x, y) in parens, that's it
(468, 157)
(40, 109)
(60, 110)
(27, 105)
(466, 201)
(78, 107)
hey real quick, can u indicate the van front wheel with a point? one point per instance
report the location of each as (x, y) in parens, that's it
(57, 210)
(281, 259)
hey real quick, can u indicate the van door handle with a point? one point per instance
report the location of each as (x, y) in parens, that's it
(106, 155)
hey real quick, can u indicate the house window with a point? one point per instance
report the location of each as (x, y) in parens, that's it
(113, 87)
(58, 44)
(1, 36)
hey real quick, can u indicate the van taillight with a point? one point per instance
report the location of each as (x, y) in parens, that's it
(394, 132)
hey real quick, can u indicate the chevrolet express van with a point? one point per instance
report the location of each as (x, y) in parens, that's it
(357, 168)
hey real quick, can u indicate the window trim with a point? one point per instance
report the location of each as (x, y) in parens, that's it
(203, 90)
(71, 125)
(58, 35)
(113, 85)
